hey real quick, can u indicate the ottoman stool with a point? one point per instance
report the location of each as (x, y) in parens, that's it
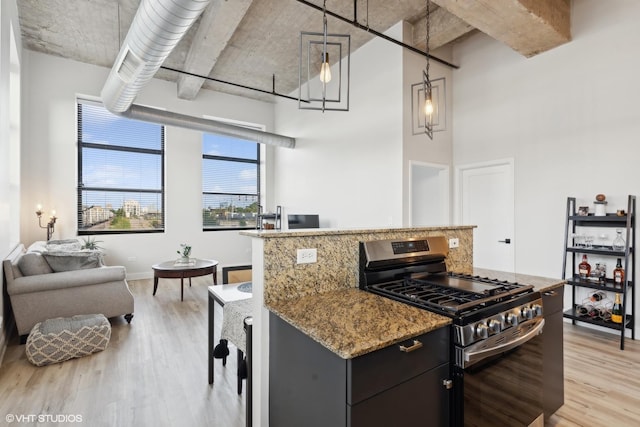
(60, 339)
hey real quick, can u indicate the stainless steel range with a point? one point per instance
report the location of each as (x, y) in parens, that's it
(496, 355)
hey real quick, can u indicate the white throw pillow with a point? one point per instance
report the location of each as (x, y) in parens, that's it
(64, 245)
(40, 246)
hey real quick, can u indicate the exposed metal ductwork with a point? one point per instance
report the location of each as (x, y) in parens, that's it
(153, 115)
(155, 31)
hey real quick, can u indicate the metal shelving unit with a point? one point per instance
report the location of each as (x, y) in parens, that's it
(276, 217)
(571, 251)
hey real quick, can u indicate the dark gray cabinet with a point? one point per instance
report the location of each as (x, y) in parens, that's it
(552, 351)
(309, 385)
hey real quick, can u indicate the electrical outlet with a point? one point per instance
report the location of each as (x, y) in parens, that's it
(307, 256)
(454, 243)
(131, 258)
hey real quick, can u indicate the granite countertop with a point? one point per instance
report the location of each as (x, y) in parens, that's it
(266, 234)
(542, 284)
(352, 322)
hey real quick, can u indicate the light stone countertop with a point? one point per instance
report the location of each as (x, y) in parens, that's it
(269, 234)
(542, 284)
(352, 322)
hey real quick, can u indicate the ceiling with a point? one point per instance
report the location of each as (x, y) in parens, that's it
(248, 42)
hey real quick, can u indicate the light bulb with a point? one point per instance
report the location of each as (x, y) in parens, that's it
(325, 69)
(428, 107)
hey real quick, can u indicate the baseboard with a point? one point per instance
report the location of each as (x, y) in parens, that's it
(139, 276)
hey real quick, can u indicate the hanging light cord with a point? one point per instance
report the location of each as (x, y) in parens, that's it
(428, 32)
(367, 15)
(324, 29)
(324, 51)
(426, 82)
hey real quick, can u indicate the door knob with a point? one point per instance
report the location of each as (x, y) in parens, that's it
(507, 241)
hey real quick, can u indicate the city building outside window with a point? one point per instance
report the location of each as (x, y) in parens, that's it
(120, 173)
(230, 182)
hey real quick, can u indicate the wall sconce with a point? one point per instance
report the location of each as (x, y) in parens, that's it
(318, 87)
(50, 225)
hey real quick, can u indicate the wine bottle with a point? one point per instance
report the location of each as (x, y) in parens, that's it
(598, 296)
(616, 311)
(584, 268)
(618, 275)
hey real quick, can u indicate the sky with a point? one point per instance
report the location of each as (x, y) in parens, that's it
(126, 170)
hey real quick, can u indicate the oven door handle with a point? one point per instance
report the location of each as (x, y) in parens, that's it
(475, 356)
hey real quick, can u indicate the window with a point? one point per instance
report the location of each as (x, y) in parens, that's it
(230, 182)
(120, 173)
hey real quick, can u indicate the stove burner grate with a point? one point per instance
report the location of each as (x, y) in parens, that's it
(452, 293)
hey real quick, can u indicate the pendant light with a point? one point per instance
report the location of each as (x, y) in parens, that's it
(320, 87)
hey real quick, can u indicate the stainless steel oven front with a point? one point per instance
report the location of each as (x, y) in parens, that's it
(496, 328)
(501, 386)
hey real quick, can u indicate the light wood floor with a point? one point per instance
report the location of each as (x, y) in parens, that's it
(602, 383)
(154, 373)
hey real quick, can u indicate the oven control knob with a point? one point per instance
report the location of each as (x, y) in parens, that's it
(537, 309)
(495, 326)
(512, 319)
(527, 313)
(482, 331)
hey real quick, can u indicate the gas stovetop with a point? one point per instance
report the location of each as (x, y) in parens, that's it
(485, 312)
(451, 293)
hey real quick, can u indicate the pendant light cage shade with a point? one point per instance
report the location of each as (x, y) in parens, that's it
(322, 91)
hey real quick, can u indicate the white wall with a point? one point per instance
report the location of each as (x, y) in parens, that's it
(354, 168)
(49, 164)
(569, 118)
(10, 87)
(347, 167)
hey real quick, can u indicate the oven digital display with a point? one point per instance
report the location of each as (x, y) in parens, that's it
(410, 246)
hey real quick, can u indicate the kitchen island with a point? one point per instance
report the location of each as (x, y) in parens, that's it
(349, 358)
(278, 277)
(307, 299)
(352, 323)
(308, 383)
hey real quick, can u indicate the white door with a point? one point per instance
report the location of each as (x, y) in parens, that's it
(487, 201)
(429, 203)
